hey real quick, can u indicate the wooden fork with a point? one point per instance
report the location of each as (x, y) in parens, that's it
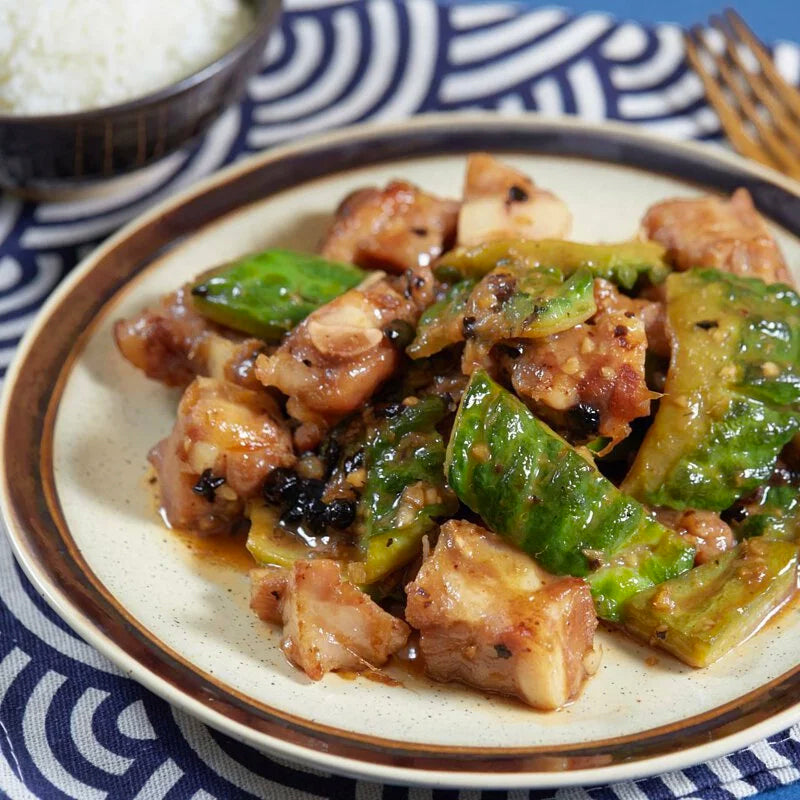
(759, 110)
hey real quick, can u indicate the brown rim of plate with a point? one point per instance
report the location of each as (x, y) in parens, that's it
(41, 536)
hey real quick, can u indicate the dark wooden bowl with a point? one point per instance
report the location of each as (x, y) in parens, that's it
(54, 153)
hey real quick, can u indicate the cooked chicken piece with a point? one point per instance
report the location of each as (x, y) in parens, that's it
(328, 623)
(704, 529)
(711, 232)
(500, 202)
(332, 362)
(225, 441)
(395, 228)
(590, 379)
(490, 617)
(170, 342)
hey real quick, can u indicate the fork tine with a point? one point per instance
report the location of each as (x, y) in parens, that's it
(728, 117)
(782, 154)
(788, 93)
(762, 90)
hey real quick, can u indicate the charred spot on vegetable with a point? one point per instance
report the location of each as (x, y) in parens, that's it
(594, 559)
(419, 231)
(389, 542)
(707, 324)
(516, 194)
(537, 312)
(307, 362)
(502, 651)
(620, 331)
(400, 333)
(207, 485)
(201, 290)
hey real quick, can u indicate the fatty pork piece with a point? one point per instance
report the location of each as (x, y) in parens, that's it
(705, 530)
(332, 362)
(488, 616)
(711, 232)
(590, 379)
(328, 623)
(172, 343)
(500, 202)
(225, 441)
(395, 228)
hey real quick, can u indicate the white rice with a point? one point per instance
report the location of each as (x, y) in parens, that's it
(70, 55)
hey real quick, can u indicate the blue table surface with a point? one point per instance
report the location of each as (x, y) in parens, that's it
(772, 20)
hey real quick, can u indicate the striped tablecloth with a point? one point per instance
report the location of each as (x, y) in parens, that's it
(71, 725)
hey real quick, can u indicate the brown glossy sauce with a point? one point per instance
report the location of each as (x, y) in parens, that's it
(376, 676)
(381, 677)
(226, 550)
(409, 658)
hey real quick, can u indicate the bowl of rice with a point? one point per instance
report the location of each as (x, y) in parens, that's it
(95, 89)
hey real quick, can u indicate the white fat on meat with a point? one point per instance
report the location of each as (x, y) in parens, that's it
(328, 623)
(500, 202)
(490, 617)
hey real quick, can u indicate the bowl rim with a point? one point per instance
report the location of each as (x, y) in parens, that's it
(266, 16)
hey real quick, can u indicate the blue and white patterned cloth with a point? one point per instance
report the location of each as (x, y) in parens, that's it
(71, 725)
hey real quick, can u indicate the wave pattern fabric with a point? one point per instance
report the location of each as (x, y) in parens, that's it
(71, 725)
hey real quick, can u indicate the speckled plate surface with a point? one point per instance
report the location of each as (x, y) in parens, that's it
(78, 421)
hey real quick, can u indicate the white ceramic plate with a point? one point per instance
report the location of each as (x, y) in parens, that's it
(83, 526)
